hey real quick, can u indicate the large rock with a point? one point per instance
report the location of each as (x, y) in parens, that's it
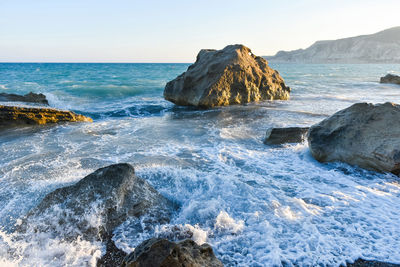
(29, 98)
(98, 203)
(390, 78)
(156, 252)
(364, 134)
(224, 77)
(277, 136)
(12, 116)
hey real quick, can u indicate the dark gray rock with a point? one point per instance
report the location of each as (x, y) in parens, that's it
(277, 136)
(224, 77)
(364, 134)
(366, 263)
(98, 203)
(156, 252)
(390, 78)
(29, 98)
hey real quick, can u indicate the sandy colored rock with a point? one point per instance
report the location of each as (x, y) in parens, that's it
(364, 134)
(390, 78)
(224, 77)
(29, 98)
(11, 115)
(157, 252)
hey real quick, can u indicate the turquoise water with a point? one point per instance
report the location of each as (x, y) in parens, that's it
(256, 205)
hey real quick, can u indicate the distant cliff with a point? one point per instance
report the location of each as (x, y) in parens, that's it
(381, 47)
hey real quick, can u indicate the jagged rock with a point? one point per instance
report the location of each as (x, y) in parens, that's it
(366, 263)
(13, 116)
(98, 203)
(390, 78)
(364, 134)
(224, 77)
(276, 136)
(29, 98)
(156, 252)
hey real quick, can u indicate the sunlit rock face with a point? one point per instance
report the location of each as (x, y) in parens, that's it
(225, 77)
(13, 116)
(364, 134)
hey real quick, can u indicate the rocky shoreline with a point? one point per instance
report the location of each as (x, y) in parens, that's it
(11, 116)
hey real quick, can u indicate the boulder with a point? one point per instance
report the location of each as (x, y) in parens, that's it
(157, 252)
(93, 207)
(13, 116)
(367, 263)
(224, 77)
(29, 98)
(277, 136)
(364, 134)
(390, 78)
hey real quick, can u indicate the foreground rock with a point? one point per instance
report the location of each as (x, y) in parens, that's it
(13, 116)
(364, 134)
(224, 77)
(29, 98)
(390, 78)
(277, 136)
(158, 252)
(98, 203)
(366, 263)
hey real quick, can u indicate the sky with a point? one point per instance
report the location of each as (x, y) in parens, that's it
(174, 31)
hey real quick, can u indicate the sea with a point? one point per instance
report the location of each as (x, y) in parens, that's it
(256, 205)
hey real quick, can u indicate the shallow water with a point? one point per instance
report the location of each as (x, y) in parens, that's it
(256, 205)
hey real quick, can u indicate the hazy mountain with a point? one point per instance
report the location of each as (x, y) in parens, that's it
(381, 47)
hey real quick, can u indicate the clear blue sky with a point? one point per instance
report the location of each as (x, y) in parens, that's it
(174, 31)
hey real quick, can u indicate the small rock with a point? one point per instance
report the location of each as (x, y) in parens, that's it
(224, 77)
(156, 252)
(14, 116)
(390, 78)
(364, 134)
(366, 263)
(29, 98)
(276, 136)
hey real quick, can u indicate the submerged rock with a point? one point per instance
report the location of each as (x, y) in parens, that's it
(276, 136)
(29, 98)
(224, 77)
(156, 252)
(390, 78)
(97, 204)
(364, 134)
(13, 116)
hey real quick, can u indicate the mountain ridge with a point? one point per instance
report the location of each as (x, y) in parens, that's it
(380, 47)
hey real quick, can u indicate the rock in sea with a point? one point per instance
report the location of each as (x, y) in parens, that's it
(233, 75)
(97, 204)
(364, 134)
(156, 252)
(277, 136)
(13, 116)
(28, 98)
(390, 78)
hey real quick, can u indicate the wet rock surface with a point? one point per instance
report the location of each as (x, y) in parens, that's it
(233, 75)
(277, 136)
(17, 116)
(98, 203)
(28, 98)
(390, 78)
(364, 134)
(156, 252)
